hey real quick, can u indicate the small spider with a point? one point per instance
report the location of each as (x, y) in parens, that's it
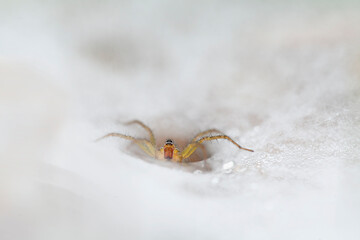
(169, 151)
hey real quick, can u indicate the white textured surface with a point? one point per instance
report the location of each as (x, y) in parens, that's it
(282, 79)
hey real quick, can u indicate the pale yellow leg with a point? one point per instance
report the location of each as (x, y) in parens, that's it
(203, 151)
(152, 137)
(144, 144)
(116, 135)
(222, 137)
(201, 134)
(190, 148)
(147, 147)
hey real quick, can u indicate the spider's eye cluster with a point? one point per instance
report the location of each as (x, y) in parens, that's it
(169, 141)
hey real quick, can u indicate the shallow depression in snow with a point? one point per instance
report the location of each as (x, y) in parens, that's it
(281, 79)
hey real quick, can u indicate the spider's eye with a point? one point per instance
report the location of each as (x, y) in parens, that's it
(169, 141)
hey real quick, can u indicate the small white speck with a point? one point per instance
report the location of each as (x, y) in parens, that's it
(215, 180)
(228, 165)
(197, 172)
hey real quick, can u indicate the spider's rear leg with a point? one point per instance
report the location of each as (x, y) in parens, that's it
(144, 144)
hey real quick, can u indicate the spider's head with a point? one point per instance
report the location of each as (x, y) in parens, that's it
(169, 148)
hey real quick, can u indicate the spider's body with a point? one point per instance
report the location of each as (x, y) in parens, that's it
(169, 152)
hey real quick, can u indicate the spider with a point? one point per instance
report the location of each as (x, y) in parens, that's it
(169, 151)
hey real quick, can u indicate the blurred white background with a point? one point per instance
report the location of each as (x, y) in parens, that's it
(282, 78)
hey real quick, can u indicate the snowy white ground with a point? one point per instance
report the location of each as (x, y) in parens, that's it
(281, 78)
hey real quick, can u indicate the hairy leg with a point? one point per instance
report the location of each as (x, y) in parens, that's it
(203, 149)
(190, 148)
(144, 144)
(152, 137)
(222, 137)
(201, 134)
(116, 135)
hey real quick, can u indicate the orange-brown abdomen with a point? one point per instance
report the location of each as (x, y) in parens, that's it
(168, 151)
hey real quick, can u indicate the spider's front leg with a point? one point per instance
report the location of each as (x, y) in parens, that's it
(201, 134)
(190, 149)
(151, 134)
(223, 137)
(144, 144)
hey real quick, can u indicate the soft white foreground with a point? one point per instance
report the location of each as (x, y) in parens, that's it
(282, 79)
